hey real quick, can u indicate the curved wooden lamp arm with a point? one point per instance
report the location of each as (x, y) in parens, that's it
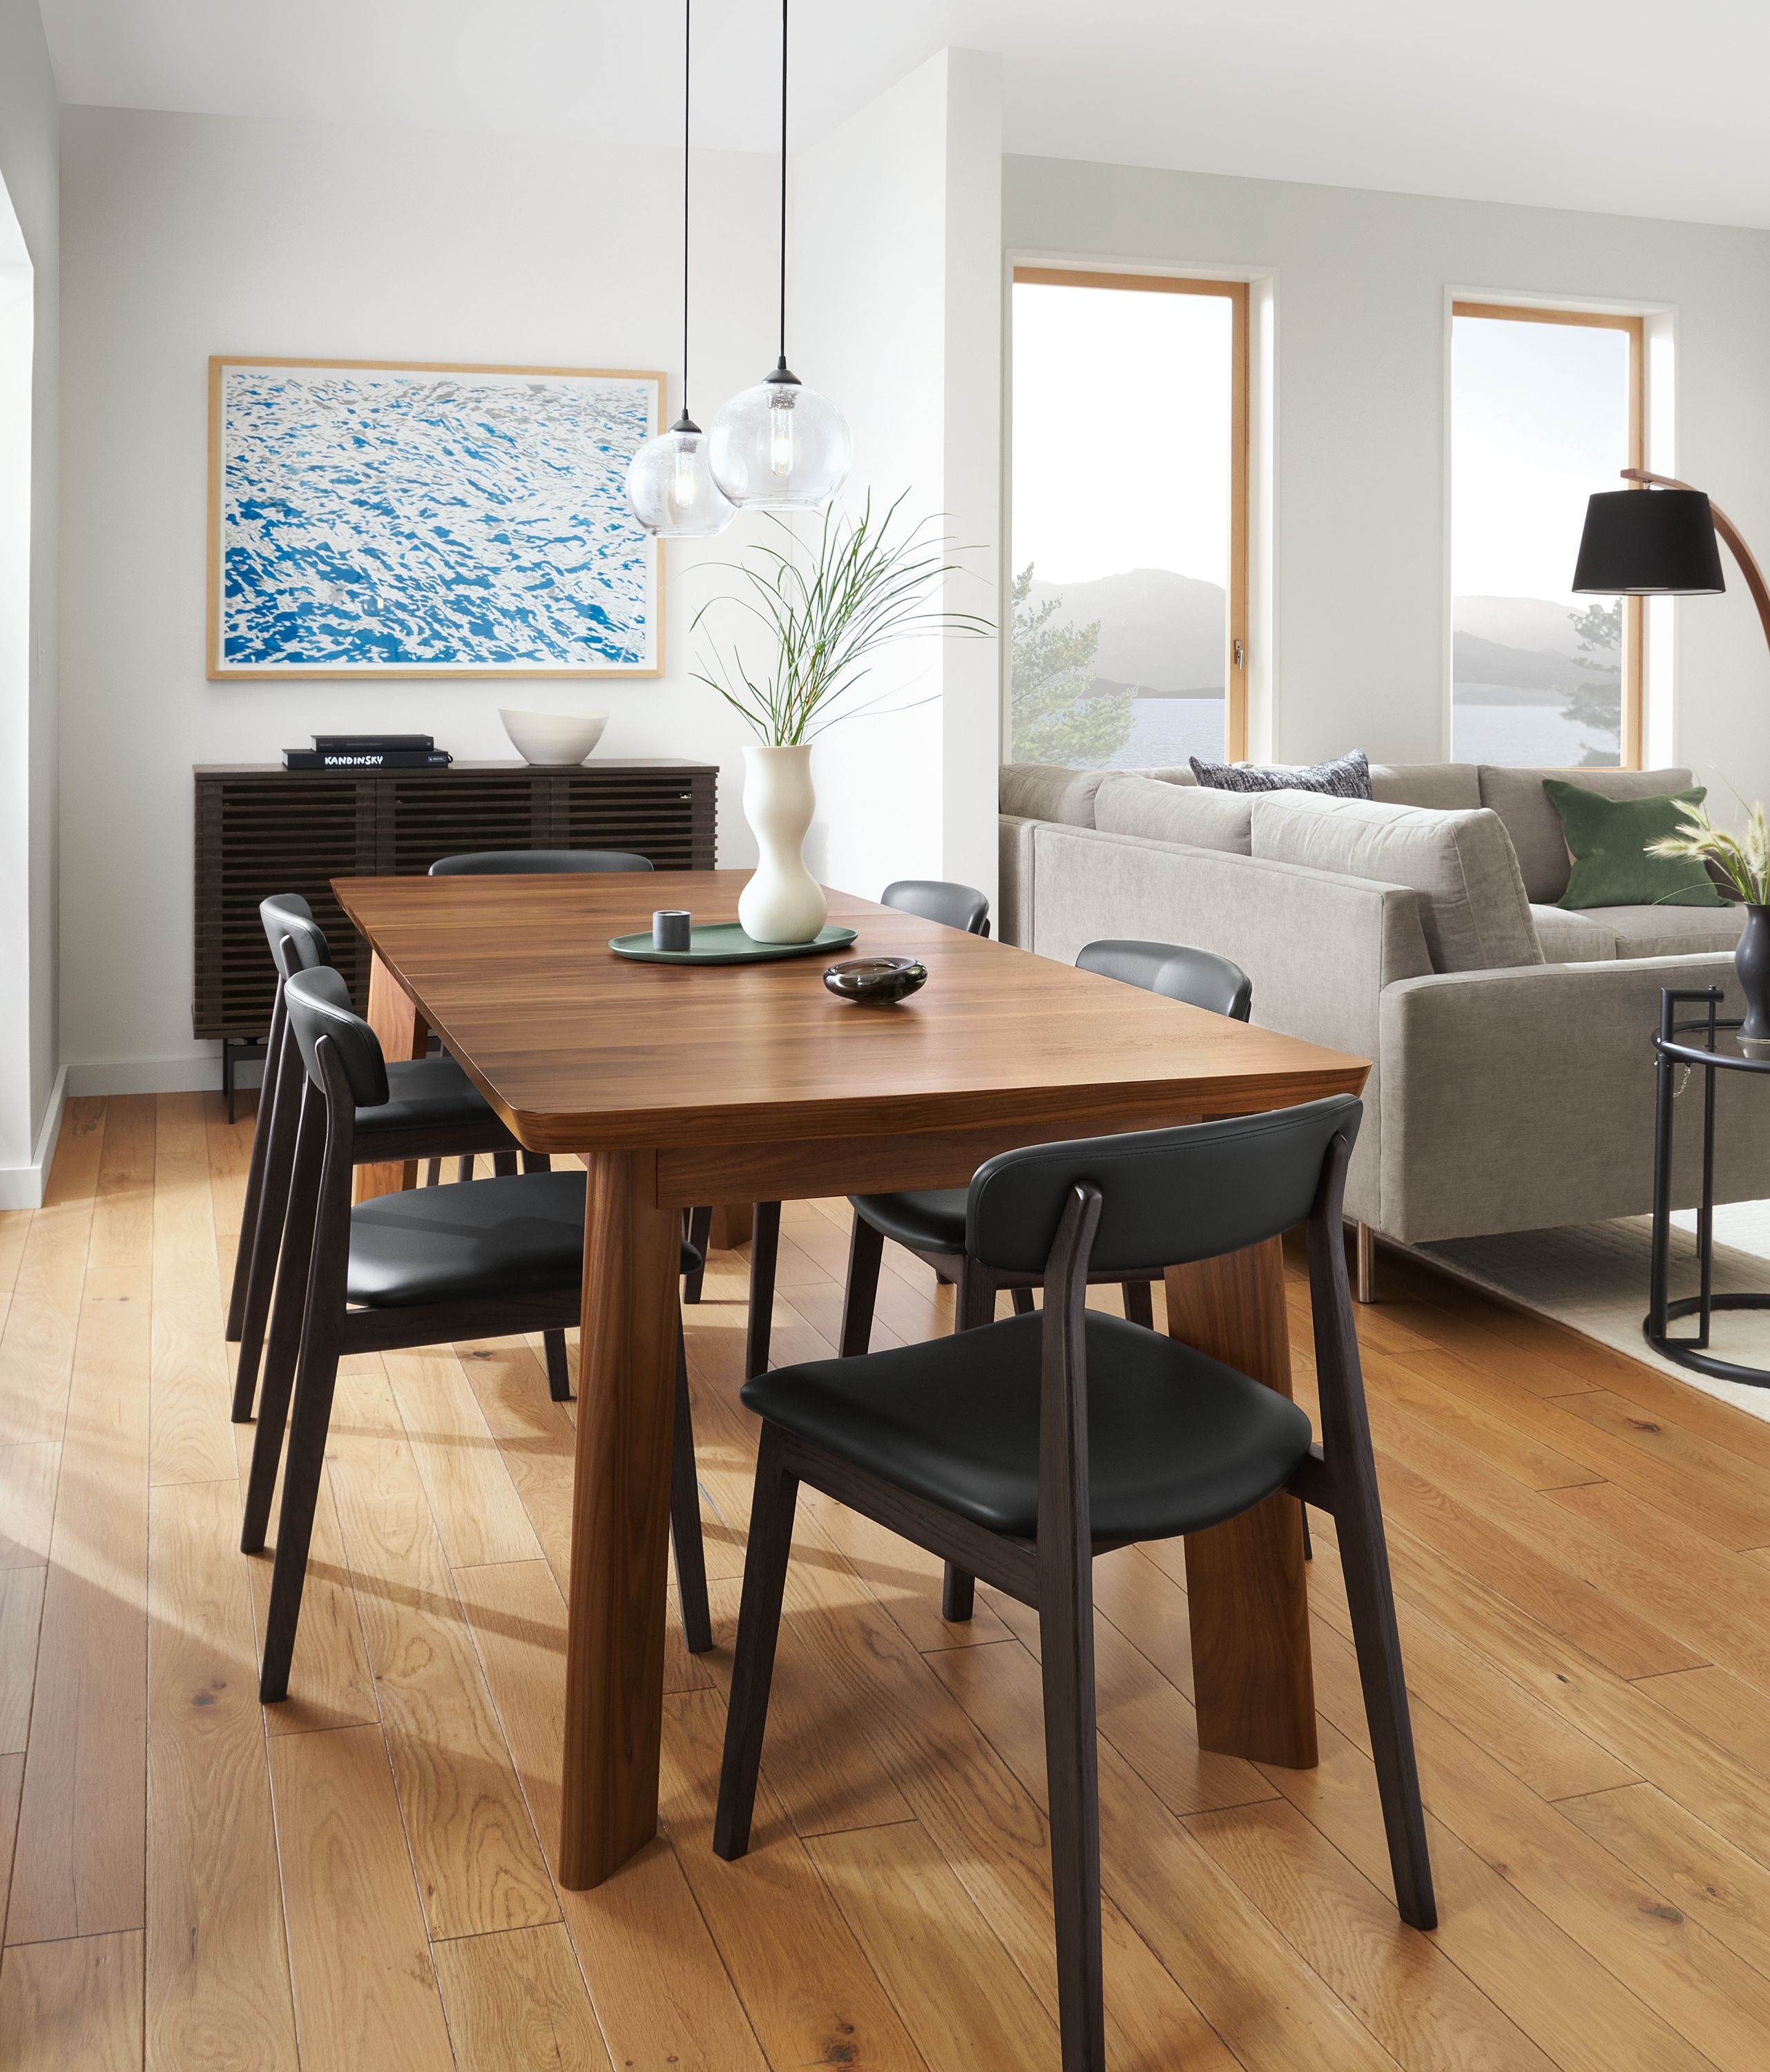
(1729, 532)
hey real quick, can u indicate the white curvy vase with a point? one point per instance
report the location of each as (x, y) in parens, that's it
(783, 903)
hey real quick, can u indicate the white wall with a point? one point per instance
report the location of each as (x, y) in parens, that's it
(1360, 281)
(895, 314)
(30, 1087)
(188, 235)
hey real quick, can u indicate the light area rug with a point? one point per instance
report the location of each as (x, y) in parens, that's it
(1593, 1278)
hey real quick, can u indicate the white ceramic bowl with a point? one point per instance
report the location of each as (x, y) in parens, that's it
(553, 737)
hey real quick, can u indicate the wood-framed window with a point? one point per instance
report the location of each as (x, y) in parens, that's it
(1546, 406)
(1130, 528)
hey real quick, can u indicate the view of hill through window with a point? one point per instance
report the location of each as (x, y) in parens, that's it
(1539, 419)
(1120, 541)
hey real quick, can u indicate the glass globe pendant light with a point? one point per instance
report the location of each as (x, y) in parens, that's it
(670, 485)
(780, 445)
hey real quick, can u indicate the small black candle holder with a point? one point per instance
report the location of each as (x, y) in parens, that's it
(672, 929)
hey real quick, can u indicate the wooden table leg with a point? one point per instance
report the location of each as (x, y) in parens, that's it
(620, 1520)
(1246, 1587)
(405, 1034)
(732, 1222)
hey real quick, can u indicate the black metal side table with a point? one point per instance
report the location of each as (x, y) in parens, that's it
(1718, 1051)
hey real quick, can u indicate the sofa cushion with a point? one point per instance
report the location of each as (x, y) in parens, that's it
(1518, 798)
(1190, 813)
(1565, 938)
(1445, 786)
(1612, 842)
(1474, 914)
(1048, 792)
(1347, 776)
(1672, 932)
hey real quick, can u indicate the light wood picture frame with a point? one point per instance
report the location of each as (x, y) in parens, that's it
(387, 518)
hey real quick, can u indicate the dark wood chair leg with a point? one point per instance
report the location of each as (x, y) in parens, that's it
(1140, 1303)
(432, 1172)
(280, 1126)
(503, 1165)
(860, 1292)
(251, 1208)
(1071, 1775)
(753, 1659)
(700, 1234)
(1023, 1301)
(283, 1349)
(957, 1593)
(1065, 1609)
(976, 1304)
(1364, 1562)
(463, 1169)
(1364, 1555)
(559, 1366)
(537, 1162)
(1308, 1545)
(765, 1248)
(685, 1516)
(301, 1493)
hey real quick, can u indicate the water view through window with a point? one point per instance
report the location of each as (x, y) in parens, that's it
(1123, 407)
(1541, 415)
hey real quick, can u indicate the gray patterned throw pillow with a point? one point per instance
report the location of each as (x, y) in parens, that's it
(1346, 777)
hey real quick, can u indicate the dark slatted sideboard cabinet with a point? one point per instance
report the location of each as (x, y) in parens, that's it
(261, 829)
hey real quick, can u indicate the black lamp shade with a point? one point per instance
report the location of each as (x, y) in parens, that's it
(1648, 542)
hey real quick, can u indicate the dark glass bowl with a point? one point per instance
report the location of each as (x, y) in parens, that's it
(876, 981)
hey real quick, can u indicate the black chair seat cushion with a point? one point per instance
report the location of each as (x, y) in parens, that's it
(470, 1241)
(1176, 1441)
(433, 1093)
(932, 1220)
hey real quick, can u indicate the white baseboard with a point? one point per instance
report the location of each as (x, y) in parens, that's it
(182, 1074)
(21, 1186)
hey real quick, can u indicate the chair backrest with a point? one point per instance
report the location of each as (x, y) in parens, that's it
(537, 862)
(961, 906)
(288, 917)
(318, 1004)
(1168, 1196)
(1198, 977)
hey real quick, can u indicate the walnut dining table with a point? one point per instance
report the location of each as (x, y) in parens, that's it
(681, 1085)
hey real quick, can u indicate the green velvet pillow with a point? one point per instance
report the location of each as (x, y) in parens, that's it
(1608, 840)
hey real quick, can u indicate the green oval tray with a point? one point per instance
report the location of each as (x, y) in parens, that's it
(725, 942)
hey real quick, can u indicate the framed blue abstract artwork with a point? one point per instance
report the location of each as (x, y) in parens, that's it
(373, 519)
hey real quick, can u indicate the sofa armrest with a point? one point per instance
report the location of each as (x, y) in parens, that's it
(1320, 947)
(1523, 1100)
(1014, 880)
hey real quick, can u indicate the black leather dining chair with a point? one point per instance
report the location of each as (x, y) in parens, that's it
(952, 905)
(429, 1266)
(433, 1110)
(566, 862)
(931, 1222)
(537, 862)
(1020, 1450)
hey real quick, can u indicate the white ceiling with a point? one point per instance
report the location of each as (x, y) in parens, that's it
(1629, 105)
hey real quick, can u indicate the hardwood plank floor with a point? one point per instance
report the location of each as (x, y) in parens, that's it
(365, 1876)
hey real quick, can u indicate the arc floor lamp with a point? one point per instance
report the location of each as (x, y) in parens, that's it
(1661, 544)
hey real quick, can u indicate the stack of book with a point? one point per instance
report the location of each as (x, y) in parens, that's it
(368, 751)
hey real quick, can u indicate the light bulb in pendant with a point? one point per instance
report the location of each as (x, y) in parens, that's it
(672, 489)
(780, 432)
(780, 445)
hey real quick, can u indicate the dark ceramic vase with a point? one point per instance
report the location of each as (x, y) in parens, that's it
(1751, 966)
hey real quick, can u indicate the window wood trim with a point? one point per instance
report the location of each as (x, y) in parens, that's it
(1630, 739)
(1235, 629)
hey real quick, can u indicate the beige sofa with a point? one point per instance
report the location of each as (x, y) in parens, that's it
(1513, 1074)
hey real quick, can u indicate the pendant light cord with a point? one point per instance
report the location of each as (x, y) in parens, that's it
(783, 183)
(687, 76)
